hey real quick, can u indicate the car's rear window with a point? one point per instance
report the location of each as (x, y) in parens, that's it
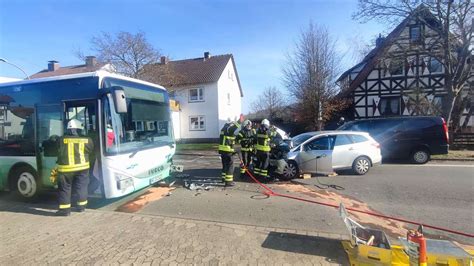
(358, 138)
(384, 125)
(418, 124)
(342, 140)
(355, 126)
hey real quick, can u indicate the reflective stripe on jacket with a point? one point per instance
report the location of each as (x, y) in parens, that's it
(246, 139)
(226, 138)
(263, 140)
(74, 153)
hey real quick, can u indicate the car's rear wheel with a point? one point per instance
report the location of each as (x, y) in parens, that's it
(420, 156)
(361, 165)
(290, 171)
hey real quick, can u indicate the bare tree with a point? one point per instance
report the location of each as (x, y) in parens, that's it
(270, 102)
(452, 20)
(309, 75)
(419, 103)
(359, 47)
(128, 52)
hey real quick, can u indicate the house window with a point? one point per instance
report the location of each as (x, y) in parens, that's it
(230, 74)
(397, 67)
(197, 123)
(228, 98)
(139, 126)
(196, 95)
(389, 106)
(435, 66)
(415, 33)
(3, 112)
(150, 125)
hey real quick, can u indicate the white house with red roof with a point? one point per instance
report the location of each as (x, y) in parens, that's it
(207, 89)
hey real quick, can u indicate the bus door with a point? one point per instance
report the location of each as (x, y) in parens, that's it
(86, 112)
(49, 127)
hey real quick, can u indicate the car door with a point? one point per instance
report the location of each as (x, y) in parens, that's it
(315, 155)
(344, 152)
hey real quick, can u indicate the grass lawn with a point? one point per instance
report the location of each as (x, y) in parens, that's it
(197, 146)
(456, 154)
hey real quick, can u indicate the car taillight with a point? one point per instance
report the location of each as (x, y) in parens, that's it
(376, 145)
(445, 128)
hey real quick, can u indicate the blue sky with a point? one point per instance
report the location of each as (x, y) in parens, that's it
(258, 33)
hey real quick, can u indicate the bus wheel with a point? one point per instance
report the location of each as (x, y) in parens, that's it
(24, 182)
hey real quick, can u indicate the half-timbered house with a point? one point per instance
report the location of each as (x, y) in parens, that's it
(400, 76)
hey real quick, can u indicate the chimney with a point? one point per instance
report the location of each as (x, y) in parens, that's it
(53, 65)
(164, 60)
(207, 55)
(91, 61)
(379, 40)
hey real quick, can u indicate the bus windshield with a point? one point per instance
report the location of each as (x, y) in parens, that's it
(145, 125)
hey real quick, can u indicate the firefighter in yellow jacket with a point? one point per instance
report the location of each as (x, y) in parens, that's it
(226, 150)
(246, 138)
(73, 167)
(262, 147)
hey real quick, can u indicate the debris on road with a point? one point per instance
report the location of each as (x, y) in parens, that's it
(164, 184)
(198, 183)
(138, 203)
(393, 228)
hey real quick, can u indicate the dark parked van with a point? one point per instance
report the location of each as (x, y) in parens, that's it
(415, 137)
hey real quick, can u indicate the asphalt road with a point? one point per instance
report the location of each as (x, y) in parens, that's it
(439, 194)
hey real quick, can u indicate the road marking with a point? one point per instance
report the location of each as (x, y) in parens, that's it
(437, 165)
(196, 159)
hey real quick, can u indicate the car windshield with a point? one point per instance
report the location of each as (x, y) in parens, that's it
(297, 140)
(145, 125)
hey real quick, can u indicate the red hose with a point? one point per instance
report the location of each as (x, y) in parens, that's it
(270, 192)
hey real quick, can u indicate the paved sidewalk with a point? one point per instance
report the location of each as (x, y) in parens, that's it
(31, 235)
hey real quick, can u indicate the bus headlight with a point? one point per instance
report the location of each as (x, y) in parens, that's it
(123, 182)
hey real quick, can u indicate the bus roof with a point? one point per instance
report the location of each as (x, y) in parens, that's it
(101, 74)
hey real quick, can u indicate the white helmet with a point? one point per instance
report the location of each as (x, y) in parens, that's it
(75, 124)
(247, 123)
(266, 123)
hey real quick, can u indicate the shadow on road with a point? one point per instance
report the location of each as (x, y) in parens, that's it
(331, 249)
(44, 209)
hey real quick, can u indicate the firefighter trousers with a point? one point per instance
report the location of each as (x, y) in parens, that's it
(227, 166)
(246, 159)
(75, 181)
(263, 160)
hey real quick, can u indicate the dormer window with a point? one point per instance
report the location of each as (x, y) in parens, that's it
(415, 33)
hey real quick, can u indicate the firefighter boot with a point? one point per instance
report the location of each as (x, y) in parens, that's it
(63, 212)
(80, 208)
(229, 183)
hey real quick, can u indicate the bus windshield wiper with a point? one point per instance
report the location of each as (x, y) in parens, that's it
(134, 153)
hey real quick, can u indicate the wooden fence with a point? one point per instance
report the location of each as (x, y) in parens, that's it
(462, 140)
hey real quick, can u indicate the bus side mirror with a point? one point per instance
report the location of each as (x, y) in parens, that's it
(120, 101)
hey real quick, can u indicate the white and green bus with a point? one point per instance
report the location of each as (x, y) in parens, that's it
(129, 121)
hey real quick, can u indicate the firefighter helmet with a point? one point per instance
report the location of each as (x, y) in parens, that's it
(266, 123)
(247, 123)
(75, 124)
